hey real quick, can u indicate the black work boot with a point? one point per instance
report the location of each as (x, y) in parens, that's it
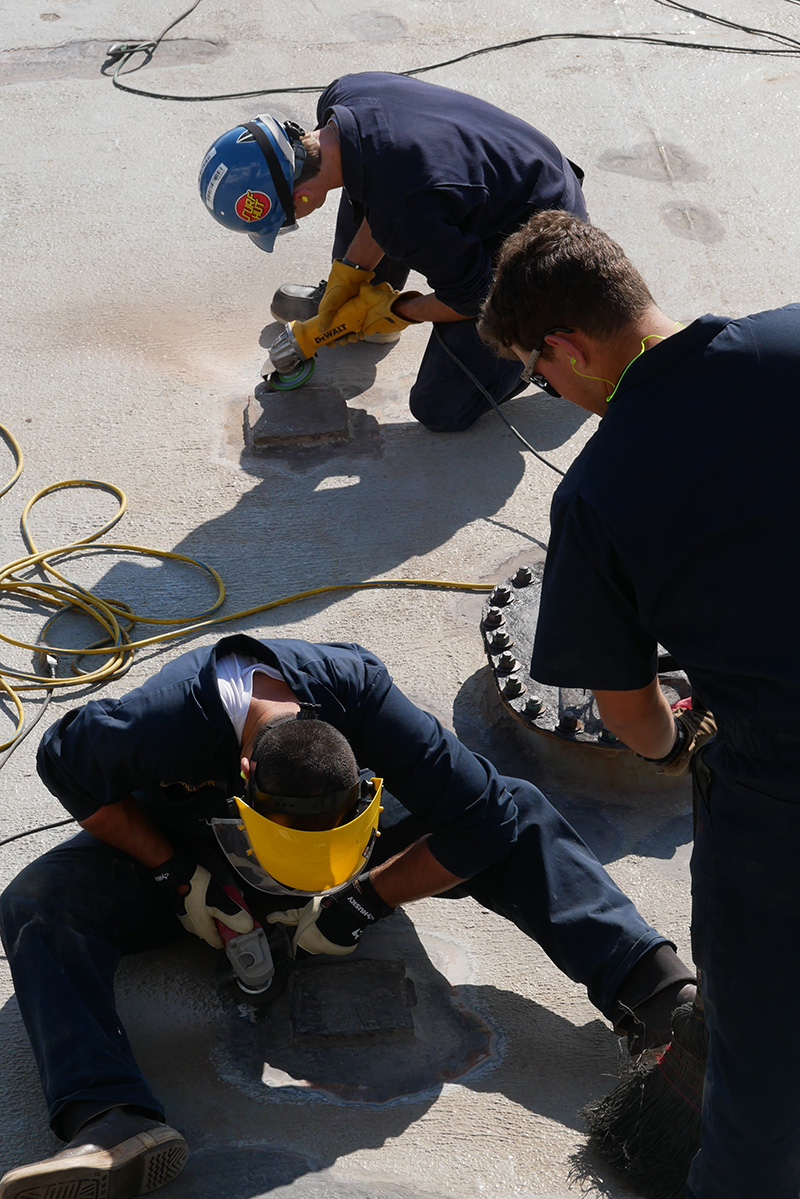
(297, 301)
(117, 1155)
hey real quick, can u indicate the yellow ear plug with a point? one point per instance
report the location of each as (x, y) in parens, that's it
(596, 378)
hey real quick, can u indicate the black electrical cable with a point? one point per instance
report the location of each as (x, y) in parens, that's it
(696, 12)
(463, 366)
(40, 828)
(790, 48)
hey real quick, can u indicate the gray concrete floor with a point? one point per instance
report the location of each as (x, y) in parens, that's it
(133, 329)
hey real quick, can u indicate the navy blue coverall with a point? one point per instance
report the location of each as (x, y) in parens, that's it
(69, 916)
(678, 524)
(442, 178)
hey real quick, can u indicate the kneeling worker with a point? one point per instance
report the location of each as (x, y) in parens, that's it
(432, 180)
(150, 776)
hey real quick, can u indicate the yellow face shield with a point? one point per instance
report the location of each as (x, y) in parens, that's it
(282, 860)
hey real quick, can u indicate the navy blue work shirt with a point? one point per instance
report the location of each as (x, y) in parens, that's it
(441, 177)
(679, 524)
(172, 739)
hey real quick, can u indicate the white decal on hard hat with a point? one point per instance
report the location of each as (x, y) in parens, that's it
(207, 159)
(279, 134)
(213, 184)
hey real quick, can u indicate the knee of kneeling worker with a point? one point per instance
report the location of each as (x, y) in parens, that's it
(429, 413)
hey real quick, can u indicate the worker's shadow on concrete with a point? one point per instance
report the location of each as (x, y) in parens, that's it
(316, 516)
(613, 825)
(340, 519)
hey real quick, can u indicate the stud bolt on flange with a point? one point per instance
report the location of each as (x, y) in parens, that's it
(507, 663)
(568, 721)
(501, 595)
(493, 618)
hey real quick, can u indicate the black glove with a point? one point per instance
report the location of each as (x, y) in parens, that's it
(203, 903)
(344, 916)
(333, 924)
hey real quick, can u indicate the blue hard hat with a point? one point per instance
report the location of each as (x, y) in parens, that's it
(246, 178)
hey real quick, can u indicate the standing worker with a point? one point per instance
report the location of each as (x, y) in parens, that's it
(287, 725)
(433, 181)
(678, 524)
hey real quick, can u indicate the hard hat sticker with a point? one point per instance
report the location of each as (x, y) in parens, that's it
(252, 206)
(213, 184)
(207, 159)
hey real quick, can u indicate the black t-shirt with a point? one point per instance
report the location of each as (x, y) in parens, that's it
(679, 523)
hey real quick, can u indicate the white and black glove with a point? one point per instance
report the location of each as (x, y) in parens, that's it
(334, 924)
(203, 903)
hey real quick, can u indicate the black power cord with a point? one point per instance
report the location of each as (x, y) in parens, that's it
(477, 383)
(788, 47)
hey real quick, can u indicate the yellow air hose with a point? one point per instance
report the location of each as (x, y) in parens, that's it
(115, 617)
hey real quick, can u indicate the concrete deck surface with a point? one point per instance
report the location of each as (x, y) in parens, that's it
(133, 329)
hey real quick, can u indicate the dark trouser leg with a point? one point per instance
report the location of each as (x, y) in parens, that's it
(555, 890)
(746, 931)
(388, 270)
(66, 921)
(443, 398)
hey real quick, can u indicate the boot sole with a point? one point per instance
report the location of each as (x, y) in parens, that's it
(135, 1167)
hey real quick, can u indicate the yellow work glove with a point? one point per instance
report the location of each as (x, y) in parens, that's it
(380, 316)
(343, 283)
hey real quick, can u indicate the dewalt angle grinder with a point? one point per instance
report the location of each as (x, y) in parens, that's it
(292, 361)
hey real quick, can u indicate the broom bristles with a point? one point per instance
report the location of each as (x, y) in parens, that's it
(648, 1128)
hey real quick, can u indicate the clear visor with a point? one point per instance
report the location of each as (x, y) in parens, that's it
(291, 861)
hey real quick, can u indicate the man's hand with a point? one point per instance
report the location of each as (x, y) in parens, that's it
(369, 311)
(200, 900)
(693, 730)
(343, 284)
(334, 925)
(379, 316)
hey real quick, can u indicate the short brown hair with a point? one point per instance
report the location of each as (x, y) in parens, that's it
(313, 159)
(558, 271)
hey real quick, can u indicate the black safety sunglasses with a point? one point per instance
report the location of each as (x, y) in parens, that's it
(528, 375)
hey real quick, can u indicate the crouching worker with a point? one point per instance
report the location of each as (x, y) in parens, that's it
(430, 180)
(149, 777)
